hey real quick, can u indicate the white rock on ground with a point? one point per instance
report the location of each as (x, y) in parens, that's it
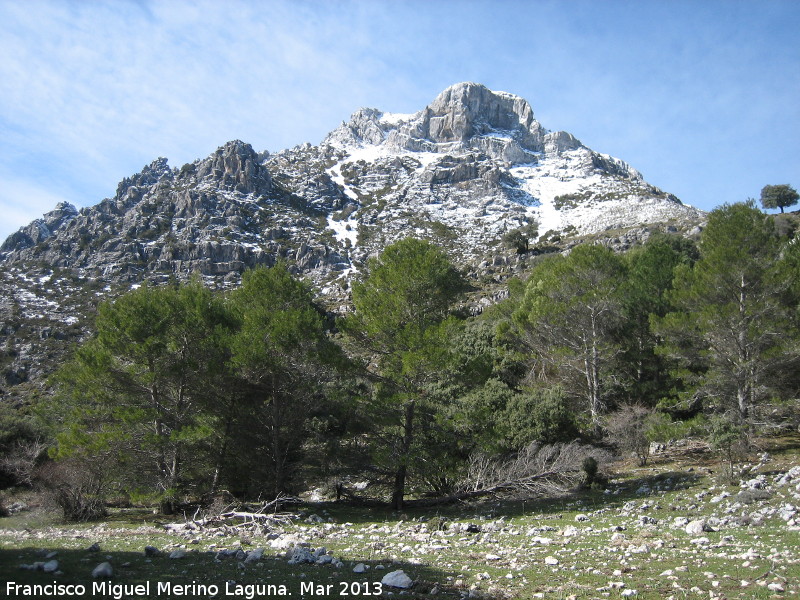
(51, 566)
(102, 571)
(697, 527)
(397, 579)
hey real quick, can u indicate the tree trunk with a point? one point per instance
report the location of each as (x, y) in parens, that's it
(277, 446)
(594, 379)
(221, 455)
(744, 383)
(405, 451)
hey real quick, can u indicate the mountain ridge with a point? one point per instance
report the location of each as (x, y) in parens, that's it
(465, 170)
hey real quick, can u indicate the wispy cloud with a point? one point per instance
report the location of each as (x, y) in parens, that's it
(22, 198)
(92, 91)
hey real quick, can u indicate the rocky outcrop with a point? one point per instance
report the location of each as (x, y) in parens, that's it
(149, 175)
(463, 172)
(469, 110)
(41, 229)
(236, 166)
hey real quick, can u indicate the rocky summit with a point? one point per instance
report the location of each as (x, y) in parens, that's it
(468, 168)
(464, 172)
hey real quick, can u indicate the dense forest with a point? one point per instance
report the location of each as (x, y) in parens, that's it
(185, 391)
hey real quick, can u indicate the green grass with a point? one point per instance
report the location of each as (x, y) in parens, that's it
(506, 559)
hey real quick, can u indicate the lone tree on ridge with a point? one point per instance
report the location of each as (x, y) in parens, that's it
(779, 196)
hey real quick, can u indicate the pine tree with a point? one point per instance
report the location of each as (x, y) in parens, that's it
(403, 318)
(138, 394)
(571, 313)
(731, 325)
(645, 374)
(282, 353)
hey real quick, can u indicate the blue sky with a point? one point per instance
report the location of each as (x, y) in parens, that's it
(702, 97)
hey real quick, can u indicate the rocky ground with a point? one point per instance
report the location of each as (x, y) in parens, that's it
(674, 529)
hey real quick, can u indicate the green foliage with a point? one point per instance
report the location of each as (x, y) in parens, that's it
(280, 339)
(410, 288)
(519, 239)
(403, 317)
(570, 316)
(779, 196)
(663, 429)
(541, 415)
(728, 437)
(644, 375)
(137, 395)
(16, 426)
(590, 468)
(178, 380)
(729, 306)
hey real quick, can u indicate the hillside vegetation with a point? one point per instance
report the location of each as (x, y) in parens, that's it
(456, 446)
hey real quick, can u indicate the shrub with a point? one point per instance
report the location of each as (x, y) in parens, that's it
(633, 427)
(589, 467)
(730, 439)
(76, 488)
(541, 415)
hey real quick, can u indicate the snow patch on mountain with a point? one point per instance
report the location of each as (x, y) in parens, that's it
(462, 172)
(344, 231)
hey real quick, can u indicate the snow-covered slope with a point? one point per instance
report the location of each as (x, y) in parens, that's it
(479, 162)
(464, 171)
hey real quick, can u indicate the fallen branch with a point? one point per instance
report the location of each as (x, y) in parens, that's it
(535, 470)
(256, 521)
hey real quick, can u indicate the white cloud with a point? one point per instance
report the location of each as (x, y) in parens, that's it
(20, 199)
(92, 91)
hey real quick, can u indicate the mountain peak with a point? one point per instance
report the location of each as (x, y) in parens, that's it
(465, 117)
(471, 166)
(468, 109)
(236, 165)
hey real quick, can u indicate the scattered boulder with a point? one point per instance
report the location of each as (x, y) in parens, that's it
(751, 495)
(51, 566)
(299, 555)
(254, 555)
(151, 551)
(792, 475)
(397, 579)
(680, 522)
(360, 568)
(103, 571)
(698, 527)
